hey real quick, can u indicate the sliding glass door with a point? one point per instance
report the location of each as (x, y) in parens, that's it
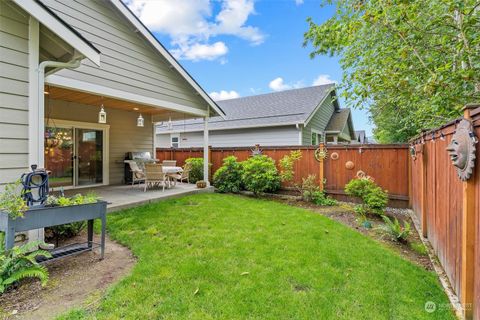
(75, 156)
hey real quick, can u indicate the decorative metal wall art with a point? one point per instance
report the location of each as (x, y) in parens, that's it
(256, 151)
(349, 165)
(321, 153)
(462, 149)
(361, 174)
(334, 156)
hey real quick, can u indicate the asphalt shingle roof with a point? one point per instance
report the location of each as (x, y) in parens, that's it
(338, 120)
(285, 107)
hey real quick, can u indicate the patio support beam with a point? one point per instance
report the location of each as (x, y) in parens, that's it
(205, 150)
(35, 154)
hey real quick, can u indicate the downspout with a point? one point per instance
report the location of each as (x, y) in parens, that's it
(39, 234)
(72, 64)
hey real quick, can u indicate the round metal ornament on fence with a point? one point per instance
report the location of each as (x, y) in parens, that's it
(334, 156)
(321, 153)
(349, 165)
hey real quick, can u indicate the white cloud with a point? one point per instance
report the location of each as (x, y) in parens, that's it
(198, 51)
(191, 24)
(298, 2)
(224, 95)
(277, 84)
(323, 79)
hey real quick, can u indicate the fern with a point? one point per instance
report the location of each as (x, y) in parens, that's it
(398, 232)
(20, 262)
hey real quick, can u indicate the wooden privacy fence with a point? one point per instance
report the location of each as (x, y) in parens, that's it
(387, 164)
(449, 210)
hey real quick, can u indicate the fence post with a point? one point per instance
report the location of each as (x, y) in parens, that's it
(468, 238)
(423, 190)
(321, 169)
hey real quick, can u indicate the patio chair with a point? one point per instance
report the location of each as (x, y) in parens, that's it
(184, 175)
(154, 176)
(169, 163)
(137, 174)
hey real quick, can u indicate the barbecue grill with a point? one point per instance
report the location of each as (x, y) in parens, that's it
(140, 158)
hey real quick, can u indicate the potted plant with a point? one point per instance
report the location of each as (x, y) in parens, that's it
(201, 184)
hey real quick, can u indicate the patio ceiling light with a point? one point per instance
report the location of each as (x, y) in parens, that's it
(140, 121)
(102, 115)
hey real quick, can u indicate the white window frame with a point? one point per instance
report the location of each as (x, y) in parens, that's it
(174, 135)
(318, 136)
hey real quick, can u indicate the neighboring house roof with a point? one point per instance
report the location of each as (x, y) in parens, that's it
(338, 122)
(287, 107)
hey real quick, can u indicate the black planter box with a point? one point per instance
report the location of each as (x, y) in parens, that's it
(41, 217)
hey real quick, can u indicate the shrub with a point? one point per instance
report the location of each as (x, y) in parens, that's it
(286, 165)
(20, 262)
(373, 197)
(309, 187)
(196, 172)
(311, 192)
(62, 201)
(228, 178)
(11, 200)
(260, 174)
(395, 230)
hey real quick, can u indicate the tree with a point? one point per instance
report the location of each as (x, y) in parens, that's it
(414, 63)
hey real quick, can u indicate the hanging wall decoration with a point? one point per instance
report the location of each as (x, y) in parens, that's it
(102, 115)
(462, 149)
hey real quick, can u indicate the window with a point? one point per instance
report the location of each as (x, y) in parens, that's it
(316, 137)
(175, 141)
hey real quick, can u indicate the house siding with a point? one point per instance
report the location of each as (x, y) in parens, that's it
(128, 62)
(319, 120)
(13, 92)
(273, 136)
(124, 135)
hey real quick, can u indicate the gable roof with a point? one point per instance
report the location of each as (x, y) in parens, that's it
(339, 120)
(123, 8)
(287, 107)
(62, 29)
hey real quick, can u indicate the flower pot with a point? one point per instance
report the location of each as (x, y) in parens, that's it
(201, 184)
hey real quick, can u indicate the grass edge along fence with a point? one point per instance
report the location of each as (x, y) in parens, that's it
(448, 209)
(387, 164)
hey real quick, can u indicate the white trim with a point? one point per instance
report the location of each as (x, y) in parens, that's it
(300, 136)
(232, 128)
(146, 33)
(310, 117)
(154, 138)
(318, 133)
(52, 23)
(82, 86)
(106, 144)
(35, 154)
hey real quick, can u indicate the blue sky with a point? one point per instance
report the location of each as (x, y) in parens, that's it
(243, 47)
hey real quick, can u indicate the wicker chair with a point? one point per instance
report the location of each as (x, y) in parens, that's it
(169, 163)
(137, 174)
(184, 175)
(154, 176)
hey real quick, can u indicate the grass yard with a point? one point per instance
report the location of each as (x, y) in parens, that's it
(216, 256)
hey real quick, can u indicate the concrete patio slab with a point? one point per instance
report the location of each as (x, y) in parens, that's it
(125, 196)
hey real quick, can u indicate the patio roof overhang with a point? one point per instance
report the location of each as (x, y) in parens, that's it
(71, 90)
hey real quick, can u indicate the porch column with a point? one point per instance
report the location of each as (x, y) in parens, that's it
(205, 150)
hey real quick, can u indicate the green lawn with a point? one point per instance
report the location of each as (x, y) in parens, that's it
(218, 256)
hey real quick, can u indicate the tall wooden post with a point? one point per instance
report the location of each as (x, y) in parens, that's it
(468, 238)
(321, 169)
(423, 189)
